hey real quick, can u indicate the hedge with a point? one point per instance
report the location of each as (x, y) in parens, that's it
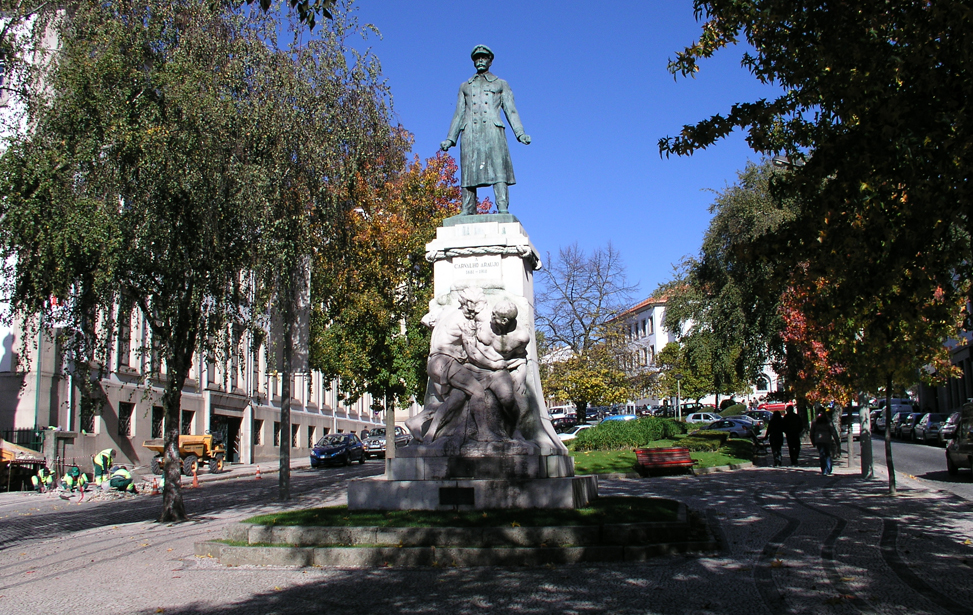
(620, 435)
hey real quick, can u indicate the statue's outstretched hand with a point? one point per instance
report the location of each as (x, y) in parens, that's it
(445, 145)
(525, 139)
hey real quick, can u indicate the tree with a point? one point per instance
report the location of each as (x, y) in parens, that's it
(697, 376)
(368, 335)
(155, 158)
(577, 311)
(871, 120)
(724, 302)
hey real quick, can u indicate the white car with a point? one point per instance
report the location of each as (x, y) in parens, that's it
(703, 417)
(572, 433)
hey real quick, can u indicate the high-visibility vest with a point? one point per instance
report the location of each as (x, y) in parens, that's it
(103, 458)
(122, 473)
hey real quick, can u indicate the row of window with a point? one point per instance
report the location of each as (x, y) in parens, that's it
(641, 328)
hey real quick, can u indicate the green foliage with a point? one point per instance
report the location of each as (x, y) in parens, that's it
(698, 444)
(615, 435)
(876, 256)
(178, 164)
(734, 410)
(369, 334)
(728, 296)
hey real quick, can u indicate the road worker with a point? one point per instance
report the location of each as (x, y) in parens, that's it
(121, 480)
(74, 479)
(102, 462)
(43, 480)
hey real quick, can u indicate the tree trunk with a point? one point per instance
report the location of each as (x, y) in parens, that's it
(888, 434)
(178, 363)
(284, 476)
(581, 408)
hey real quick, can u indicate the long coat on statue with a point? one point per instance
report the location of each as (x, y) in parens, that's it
(484, 156)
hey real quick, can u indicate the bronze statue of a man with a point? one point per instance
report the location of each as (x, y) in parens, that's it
(484, 157)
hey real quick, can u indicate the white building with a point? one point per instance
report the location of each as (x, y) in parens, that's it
(644, 327)
(238, 398)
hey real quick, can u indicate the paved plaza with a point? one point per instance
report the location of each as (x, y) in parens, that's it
(793, 541)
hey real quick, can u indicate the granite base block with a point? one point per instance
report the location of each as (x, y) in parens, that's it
(379, 493)
(516, 467)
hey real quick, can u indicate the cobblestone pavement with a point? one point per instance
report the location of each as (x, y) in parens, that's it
(793, 541)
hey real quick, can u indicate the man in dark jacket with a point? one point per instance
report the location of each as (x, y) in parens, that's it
(792, 430)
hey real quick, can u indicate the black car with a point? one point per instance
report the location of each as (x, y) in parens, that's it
(337, 449)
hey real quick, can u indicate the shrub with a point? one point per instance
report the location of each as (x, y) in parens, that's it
(618, 435)
(734, 410)
(718, 436)
(700, 444)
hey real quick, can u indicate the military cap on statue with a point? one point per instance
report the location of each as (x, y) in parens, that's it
(481, 50)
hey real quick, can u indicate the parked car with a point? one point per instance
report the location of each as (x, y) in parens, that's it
(736, 427)
(897, 418)
(572, 433)
(763, 415)
(563, 424)
(959, 451)
(852, 419)
(375, 445)
(756, 424)
(776, 405)
(702, 417)
(874, 414)
(948, 429)
(620, 417)
(337, 448)
(904, 428)
(928, 427)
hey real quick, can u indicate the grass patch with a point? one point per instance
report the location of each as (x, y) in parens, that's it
(599, 512)
(607, 462)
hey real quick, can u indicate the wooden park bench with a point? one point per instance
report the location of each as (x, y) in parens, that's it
(648, 459)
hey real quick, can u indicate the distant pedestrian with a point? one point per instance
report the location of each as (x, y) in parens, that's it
(824, 437)
(775, 435)
(792, 429)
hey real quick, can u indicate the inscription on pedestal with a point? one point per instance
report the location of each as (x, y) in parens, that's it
(476, 268)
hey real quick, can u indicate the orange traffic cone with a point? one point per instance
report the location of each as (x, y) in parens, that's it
(257, 477)
(195, 479)
(155, 486)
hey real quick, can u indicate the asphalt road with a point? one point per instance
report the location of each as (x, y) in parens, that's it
(925, 463)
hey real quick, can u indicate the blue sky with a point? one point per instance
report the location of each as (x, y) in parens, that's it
(593, 92)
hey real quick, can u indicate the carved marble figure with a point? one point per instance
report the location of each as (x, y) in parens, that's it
(478, 378)
(484, 156)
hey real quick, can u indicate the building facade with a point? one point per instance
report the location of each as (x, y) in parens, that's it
(646, 333)
(237, 398)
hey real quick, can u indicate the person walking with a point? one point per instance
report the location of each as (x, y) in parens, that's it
(824, 437)
(775, 435)
(792, 429)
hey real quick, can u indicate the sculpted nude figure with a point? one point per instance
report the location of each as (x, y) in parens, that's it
(447, 364)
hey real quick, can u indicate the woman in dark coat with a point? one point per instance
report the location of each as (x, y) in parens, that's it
(775, 434)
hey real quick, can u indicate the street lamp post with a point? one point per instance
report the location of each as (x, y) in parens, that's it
(678, 378)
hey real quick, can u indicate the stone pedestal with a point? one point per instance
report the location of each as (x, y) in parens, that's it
(459, 467)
